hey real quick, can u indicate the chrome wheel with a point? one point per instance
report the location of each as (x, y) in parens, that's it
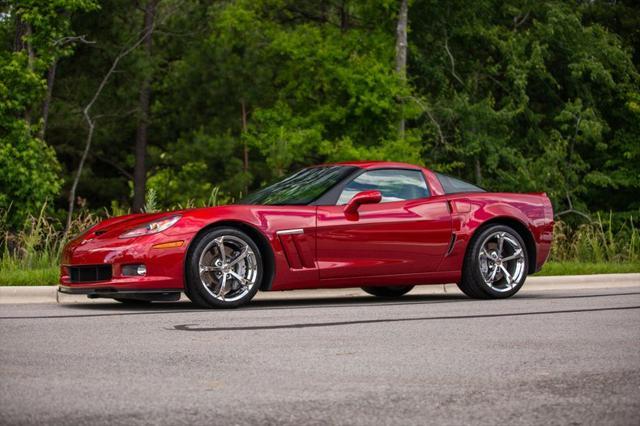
(228, 268)
(501, 261)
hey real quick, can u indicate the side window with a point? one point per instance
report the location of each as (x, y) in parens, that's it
(394, 185)
(452, 185)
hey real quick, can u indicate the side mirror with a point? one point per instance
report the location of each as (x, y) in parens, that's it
(364, 197)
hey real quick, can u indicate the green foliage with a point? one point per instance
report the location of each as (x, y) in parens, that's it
(513, 95)
(188, 171)
(530, 96)
(151, 203)
(29, 169)
(28, 174)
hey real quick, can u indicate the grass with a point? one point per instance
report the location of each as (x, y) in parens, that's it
(587, 268)
(31, 277)
(599, 241)
(31, 255)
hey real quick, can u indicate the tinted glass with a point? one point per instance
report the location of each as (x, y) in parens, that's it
(394, 185)
(300, 188)
(452, 185)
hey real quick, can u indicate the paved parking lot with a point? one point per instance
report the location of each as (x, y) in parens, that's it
(542, 357)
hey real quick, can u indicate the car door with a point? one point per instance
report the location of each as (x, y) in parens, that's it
(407, 232)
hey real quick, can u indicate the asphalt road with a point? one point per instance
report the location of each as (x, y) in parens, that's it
(542, 357)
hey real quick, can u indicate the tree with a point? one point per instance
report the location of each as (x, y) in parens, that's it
(401, 50)
(140, 169)
(29, 170)
(526, 95)
(90, 119)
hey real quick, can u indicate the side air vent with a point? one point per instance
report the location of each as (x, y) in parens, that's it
(452, 243)
(297, 248)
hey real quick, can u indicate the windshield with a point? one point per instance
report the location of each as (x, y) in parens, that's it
(300, 188)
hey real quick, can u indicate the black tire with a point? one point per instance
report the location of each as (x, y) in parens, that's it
(472, 283)
(195, 288)
(132, 302)
(388, 291)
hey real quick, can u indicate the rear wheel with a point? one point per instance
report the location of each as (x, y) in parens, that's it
(388, 291)
(224, 269)
(496, 264)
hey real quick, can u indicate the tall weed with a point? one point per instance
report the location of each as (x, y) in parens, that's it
(40, 242)
(599, 241)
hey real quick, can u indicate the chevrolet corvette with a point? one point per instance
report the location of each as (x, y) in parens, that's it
(382, 226)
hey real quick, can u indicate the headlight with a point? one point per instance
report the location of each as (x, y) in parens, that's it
(152, 227)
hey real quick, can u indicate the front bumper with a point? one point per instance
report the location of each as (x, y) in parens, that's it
(164, 266)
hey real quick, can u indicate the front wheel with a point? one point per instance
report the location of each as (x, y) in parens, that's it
(224, 269)
(388, 291)
(495, 265)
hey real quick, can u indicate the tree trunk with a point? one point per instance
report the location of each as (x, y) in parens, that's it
(140, 170)
(401, 51)
(245, 148)
(344, 16)
(76, 179)
(51, 78)
(478, 171)
(21, 30)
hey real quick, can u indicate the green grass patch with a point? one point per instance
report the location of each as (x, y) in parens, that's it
(42, 276)
(588, 268)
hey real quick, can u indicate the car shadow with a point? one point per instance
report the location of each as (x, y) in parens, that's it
(80, 310)
(97, 309)
(200, 328)
(311, 302)
(326, 302)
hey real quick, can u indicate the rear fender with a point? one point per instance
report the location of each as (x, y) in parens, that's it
(468, 216)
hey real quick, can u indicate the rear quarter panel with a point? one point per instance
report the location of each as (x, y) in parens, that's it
(470, 211)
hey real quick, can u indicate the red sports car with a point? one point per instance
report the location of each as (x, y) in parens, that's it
(381, 226)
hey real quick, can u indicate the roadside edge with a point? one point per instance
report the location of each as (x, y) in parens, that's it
(49, 294)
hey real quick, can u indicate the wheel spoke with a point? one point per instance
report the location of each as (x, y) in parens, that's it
(507, 276)
(242, 255)
(492, 278)
(485, 253)
(517, 255)
(500, 243)
(223, 286)
(221, 249)
(243, 281)
(207, 268)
